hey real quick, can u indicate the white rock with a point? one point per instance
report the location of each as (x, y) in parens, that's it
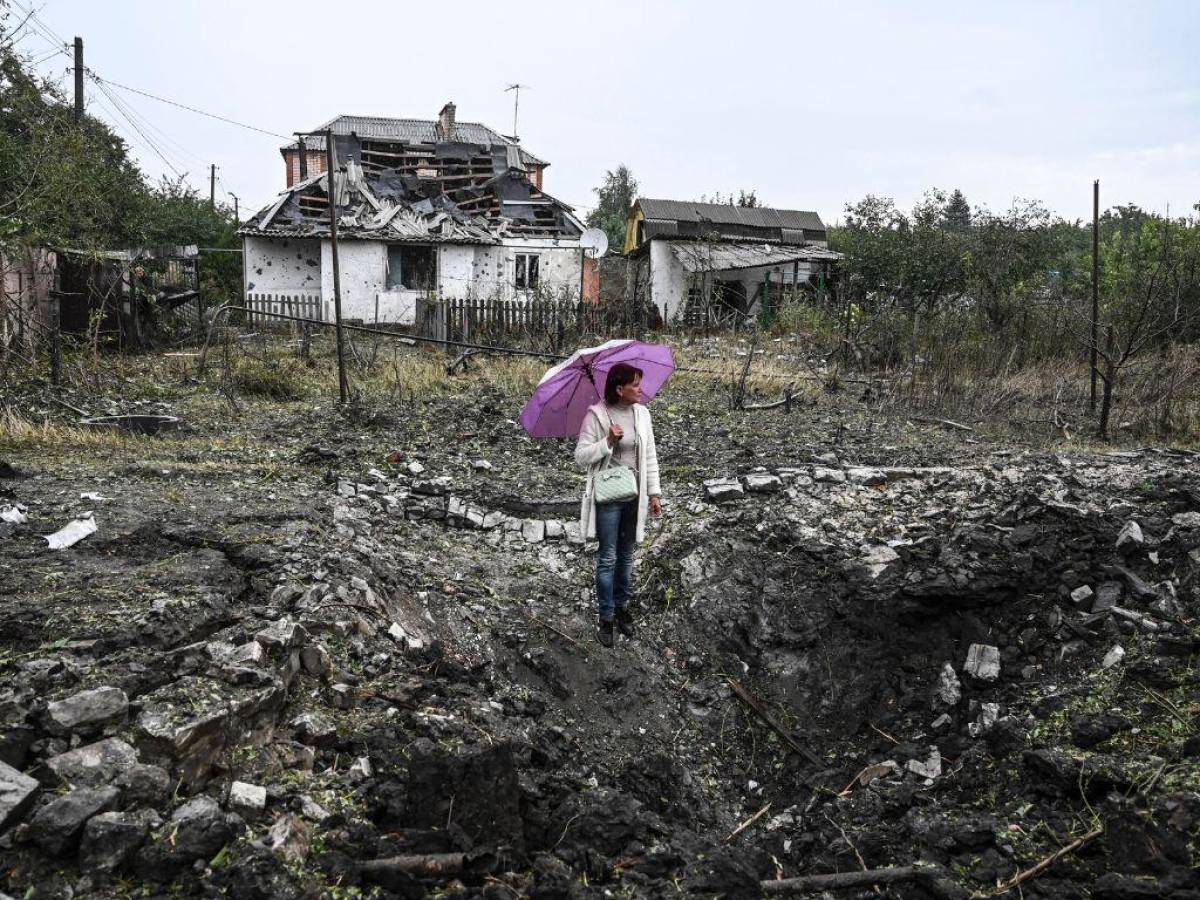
(415, 468)
(248, 797)
(533, 531)
(313, 810)
(1081, 594)
(931, 768)
(868, 476)
(719, 489)
(554, 530)
(1186, 520)
(1131, 534)
(878, 559)
(482, 465)
(1114, 656)
(988, 714)
(763, 483)
(829, 476)
(983, 662)
(949, 690)
(360, 770)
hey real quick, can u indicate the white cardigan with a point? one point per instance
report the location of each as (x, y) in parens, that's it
(592, 450)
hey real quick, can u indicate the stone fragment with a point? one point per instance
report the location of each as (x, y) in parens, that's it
(988, 714)
(929, 768)
(575, 537)
(1186, 520)
(878, 559)
(948, 691)
(983, 662)
(829, 476)
(250, 653)
(482, 465)
(1112, 657)
(313, 810)
(17, 791)
(111, 838)
(144, 785)
(283, 634)
(533, 531)
(360, 770)
(196, 830)
(554, 530)
(1081, 595)
(288, 838)
(56, 826)
(867, 476)
(247, 798)
(343, 696)
(941, 723)
(316, 660)
(762, 483)
(1108, 595)
(93, 765)
(720, 489)
(1131, 534)
(415, 468)
(87, 711)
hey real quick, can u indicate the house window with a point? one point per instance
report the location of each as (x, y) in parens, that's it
(410, 268)
(527, 271)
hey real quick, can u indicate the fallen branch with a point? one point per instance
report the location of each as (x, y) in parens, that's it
(843, 880)
(1036, 870)
(947, 422)
(746, 697)
(750, 821)
(429, 865)
(786, 401)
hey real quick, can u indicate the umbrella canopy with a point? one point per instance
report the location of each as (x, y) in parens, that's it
(564, 394)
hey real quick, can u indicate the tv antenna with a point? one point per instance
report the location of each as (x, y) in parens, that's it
(516, 88)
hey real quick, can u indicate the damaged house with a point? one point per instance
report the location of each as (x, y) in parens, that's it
(427, 210)
(713, 263)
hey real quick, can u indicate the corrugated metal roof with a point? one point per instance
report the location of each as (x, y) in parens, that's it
(413, 131)
(723, 214)
(701, 256)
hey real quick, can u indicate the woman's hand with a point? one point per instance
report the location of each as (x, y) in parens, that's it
(615, 433)
(656, 506)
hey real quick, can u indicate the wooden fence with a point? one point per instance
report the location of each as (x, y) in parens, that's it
(479, 320)
(305, 304)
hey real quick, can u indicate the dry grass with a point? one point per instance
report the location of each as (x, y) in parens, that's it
(20, 434)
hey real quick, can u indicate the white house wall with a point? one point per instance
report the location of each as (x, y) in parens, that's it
(282, 265)
(668, 280)
(361, 269)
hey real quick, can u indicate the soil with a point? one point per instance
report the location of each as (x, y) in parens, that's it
(802, 651)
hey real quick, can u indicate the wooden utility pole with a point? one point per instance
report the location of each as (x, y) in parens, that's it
(236, 216)
(78, 79)
(1095, 283)
(343, 385)
(212, 186)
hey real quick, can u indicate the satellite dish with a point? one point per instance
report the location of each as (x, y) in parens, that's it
(594, 242)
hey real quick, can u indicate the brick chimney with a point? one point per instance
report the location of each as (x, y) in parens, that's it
(446, 121)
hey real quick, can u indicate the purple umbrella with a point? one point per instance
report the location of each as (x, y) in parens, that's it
(564, 394)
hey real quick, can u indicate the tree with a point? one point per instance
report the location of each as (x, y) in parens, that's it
(956, 214)
(616, 197)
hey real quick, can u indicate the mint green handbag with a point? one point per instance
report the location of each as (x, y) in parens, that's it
(614, 483)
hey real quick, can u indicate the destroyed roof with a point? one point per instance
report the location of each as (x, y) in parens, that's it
(393, 205)
(414, 131)
(724, 214)
(702, 256)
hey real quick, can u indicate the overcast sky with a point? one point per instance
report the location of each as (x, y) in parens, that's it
(811, 105)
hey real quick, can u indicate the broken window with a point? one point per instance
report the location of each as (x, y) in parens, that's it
(410, 268)
(527, 271)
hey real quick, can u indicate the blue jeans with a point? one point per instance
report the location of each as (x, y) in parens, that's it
(616, 530)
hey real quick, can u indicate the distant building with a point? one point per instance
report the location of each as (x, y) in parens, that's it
(427, 210)
(723, 262)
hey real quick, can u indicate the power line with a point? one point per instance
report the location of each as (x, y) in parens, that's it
(201, 112)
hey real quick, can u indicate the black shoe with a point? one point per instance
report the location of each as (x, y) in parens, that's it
(624, 620)
(605, 634)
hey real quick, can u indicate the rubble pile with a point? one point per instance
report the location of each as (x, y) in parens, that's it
(385, 680)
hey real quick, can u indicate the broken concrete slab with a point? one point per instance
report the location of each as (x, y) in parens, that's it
(762, 483)
(93, 765)
(110, 839)
(87, 711)
(284, 634)
(948, 690)
(928, 768)
(983, 662)
(721, 489)
(17, 792)
(56, 826)
(247, 798)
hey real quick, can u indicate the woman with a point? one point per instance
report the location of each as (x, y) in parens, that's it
(618, 431)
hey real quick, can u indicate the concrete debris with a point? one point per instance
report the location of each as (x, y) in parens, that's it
(929, 768)
(879, 559)
(247, 798)
(288, 838)
(949, 690)
(93, 765)
(72, 533)
(56, 827)
(17, 792)
(13, 514)
(360, 770)
(87, 711)
(720, 489)
(983, 662)
(762, 483)
(1130, 534)
(1112, 657)
(1081, 595)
